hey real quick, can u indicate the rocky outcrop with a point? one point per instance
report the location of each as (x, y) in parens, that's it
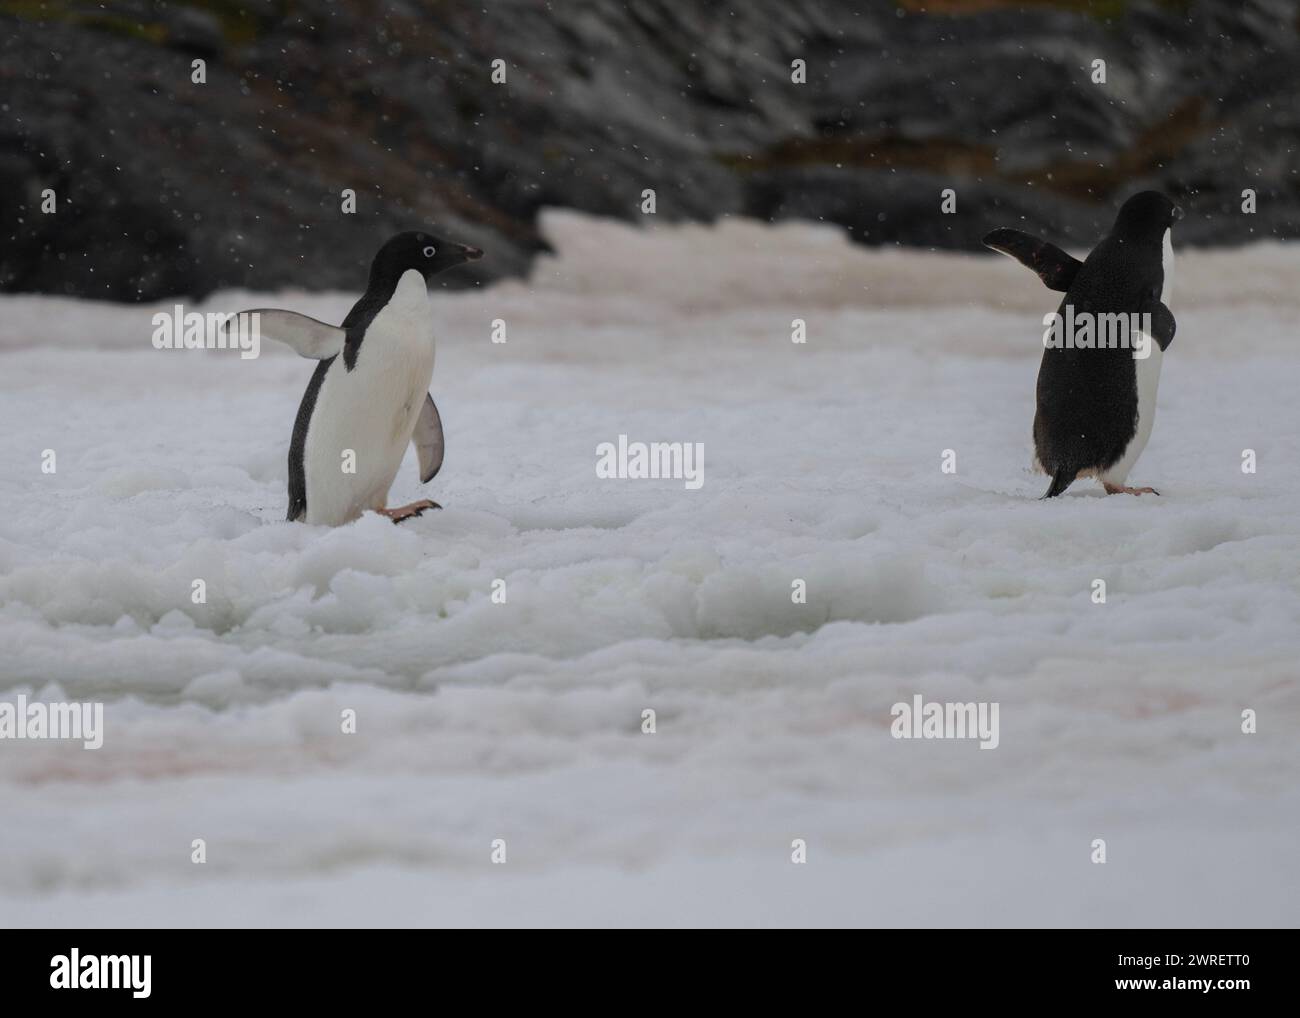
(165, 186)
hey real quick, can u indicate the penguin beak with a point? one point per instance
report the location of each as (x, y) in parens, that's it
(471, 254)
(1178, 213)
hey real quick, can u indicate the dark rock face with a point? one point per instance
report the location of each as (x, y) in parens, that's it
(167, 187)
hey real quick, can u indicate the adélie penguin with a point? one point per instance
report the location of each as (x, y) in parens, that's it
(1096, 403)
(368, 396)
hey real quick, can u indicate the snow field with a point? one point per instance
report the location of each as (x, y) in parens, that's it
(522, 720)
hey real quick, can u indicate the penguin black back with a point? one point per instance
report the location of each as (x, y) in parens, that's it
(1087, 398)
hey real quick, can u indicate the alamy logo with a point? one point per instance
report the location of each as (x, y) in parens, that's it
(72, 971)
(682, 461)
(934, 720)
(182, 330)
(1086, 331)
(23, 720)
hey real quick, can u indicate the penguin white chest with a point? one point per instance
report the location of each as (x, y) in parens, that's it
(1148, 381)
(363, 418)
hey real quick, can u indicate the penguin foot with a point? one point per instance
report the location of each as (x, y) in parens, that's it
(405, 512)
(1119, 489)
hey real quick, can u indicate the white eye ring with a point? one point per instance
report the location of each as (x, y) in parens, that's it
(429, 251)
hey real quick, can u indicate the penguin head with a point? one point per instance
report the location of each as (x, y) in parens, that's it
(423, 252)
(1147, 213)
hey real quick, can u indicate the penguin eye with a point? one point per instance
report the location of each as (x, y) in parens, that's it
(429, 251)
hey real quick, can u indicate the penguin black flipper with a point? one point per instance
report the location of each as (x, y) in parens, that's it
(308, 337)
(1052, 265)
(427, 439)
(1162, 323)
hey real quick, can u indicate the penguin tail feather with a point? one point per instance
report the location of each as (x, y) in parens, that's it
(1061, 479)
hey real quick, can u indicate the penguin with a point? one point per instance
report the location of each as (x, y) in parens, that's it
(1096, 406)
(368, 396)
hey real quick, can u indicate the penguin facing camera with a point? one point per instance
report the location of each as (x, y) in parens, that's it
(368, 396)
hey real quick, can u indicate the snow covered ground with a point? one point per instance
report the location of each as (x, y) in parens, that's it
(522, 721)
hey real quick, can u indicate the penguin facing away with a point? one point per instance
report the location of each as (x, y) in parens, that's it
(1096, 404)
(368, 396)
